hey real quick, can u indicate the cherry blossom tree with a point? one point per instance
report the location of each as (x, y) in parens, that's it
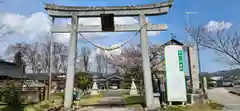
(129, 62)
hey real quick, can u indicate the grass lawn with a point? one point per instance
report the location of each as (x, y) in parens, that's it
(12, 108)
(132, 100)
(2, 107)
(85, 100)
(58, 95)
(211, 106)
(89, 100)
(197, 107)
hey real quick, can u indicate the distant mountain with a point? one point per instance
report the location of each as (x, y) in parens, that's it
(233, 72)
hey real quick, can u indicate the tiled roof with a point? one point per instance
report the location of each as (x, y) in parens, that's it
(10, 69)
(117, 74)
(173, 41)
(2, 62)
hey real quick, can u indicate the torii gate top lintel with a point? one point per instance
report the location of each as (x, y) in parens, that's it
(95, 11)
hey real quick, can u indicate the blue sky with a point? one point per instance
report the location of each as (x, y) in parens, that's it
(217, 10)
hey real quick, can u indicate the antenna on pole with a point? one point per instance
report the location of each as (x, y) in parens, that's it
(188, 22)
(172, 36)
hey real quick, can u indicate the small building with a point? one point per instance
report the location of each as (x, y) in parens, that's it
(107, 81)
(10, 71)
(110, 81)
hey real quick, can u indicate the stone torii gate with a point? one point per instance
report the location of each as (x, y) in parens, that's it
(107, 15)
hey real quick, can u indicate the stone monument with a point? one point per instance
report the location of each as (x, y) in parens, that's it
(94, 90)
(194, 73)
(133, 90)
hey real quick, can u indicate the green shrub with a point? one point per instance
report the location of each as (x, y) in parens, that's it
(59, 94)
(132, 100)
(41, 106)
(177, 108)
(216, 106)
(10, 96)
(29, 108)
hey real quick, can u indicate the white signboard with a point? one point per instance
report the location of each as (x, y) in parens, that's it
(175, 77)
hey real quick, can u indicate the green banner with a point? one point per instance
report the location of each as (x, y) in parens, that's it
(180, 59)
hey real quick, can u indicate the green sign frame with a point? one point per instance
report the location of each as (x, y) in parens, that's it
(180, 59)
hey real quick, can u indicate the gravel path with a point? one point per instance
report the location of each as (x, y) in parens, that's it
(112, 101)
(112, 93)
(230, 101)
(111, 98)
(112, 109)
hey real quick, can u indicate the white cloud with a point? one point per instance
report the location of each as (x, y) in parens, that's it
(33, 27)
(30, 26)
(37, 24)
(213, 26)
(3, 46)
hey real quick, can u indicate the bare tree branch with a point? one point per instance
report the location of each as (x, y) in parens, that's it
(37, 55)
(4, 30)
(220, 41)
(85, 53)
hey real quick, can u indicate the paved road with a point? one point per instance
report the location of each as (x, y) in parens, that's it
(234, 89)
(222, 96)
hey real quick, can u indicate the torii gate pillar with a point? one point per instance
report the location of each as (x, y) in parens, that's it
(110, 12)
(146, 64)
(68, 98)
